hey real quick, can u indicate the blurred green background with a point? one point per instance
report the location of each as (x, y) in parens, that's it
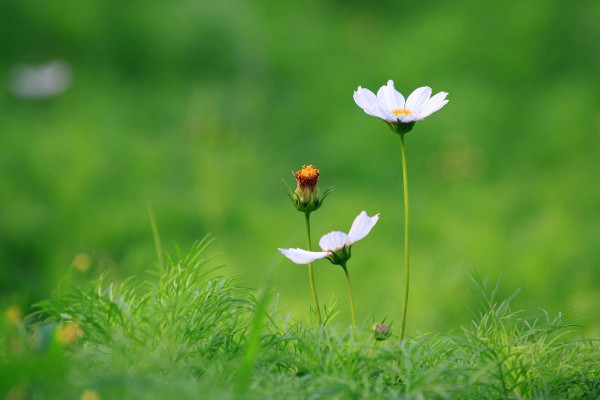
(199, 109)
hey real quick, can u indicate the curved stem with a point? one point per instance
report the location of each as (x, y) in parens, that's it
(406, 226)
(311, 278)
(352, 311)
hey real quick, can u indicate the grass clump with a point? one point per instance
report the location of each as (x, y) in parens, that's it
(190, 334)
(182, 324)
(529, 358)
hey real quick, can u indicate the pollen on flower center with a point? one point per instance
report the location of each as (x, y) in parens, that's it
(307, 177)
(401, 111)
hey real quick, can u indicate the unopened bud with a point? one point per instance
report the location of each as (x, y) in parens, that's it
(380, 331)
(307, 195)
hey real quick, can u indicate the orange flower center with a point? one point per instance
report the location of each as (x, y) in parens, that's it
(307, 177)
(401, 111)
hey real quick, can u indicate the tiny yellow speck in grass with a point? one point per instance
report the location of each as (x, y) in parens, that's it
(90, 394)
(69, 332)
(13, 315)
(82, 261)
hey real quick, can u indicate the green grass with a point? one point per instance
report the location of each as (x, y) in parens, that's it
(189, 333)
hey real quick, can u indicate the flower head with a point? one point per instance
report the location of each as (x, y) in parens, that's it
(307, 190)
(307, 197)
(335, 245)
(390, 106)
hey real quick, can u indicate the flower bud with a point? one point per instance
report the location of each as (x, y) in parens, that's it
(307, 192)
(307, 197)
(380, 331)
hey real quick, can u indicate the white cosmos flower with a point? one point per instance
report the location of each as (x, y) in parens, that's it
(390, 106)
(336, 242)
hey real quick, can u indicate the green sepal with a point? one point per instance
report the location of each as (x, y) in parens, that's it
(341, 256)
(307, 207)
(400, 127)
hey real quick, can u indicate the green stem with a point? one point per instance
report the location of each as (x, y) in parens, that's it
(352, 311)
(406, 225)
(311, 278)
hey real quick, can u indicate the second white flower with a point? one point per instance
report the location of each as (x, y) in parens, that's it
(336, 245)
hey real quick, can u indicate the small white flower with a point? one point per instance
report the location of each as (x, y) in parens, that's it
(335, 243)
(390, 106)
(46, 81)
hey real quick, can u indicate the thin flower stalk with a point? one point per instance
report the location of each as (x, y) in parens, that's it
(311, 277)
(350, 295)
(406, 237)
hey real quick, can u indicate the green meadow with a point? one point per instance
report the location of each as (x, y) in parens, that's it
(176, 126)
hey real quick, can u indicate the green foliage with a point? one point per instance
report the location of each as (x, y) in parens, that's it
(177, 325)
(529, 358)
(188, 334)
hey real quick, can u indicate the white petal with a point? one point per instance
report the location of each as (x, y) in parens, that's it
(418, 98)
(334, 241)
(405, 119)
(377, 112)
(364, 98)
(438, 97)
(435, 103)
(300, 256)
(389, 98)
(367, 100)
(361, 226)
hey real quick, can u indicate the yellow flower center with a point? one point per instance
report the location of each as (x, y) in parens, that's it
(307, 177)
(401, 111)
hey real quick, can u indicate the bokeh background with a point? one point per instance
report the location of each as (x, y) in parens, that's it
(198, 109)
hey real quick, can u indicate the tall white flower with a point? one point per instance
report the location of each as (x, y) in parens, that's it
(336, 245)
(390, 106)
